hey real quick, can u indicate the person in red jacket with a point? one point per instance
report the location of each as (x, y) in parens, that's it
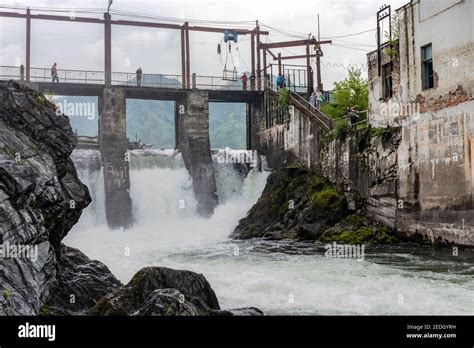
(244, 79)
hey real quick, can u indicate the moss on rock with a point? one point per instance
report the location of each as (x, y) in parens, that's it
(296, 204)
(358, 229)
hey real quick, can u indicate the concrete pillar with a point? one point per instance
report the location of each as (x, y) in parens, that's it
(194, 144)
(113, 150)
(255, 117)
(28, 44)
(107, 49)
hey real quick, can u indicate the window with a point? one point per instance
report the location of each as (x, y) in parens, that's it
(427, 67)
(387, 81)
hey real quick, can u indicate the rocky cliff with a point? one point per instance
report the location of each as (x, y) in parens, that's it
(41, 197)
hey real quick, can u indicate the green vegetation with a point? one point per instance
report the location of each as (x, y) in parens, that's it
(45, 311)
(227, 125)
(379, 132)
(328, 199)
(6, 294)
(351, 92)
(363, 235)
(284, 98)
(358, 229)
(341, 128)
(393, 40)
(152, 122)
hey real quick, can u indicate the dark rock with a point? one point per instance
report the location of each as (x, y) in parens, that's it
(295, 204)
(130, 298)
(81, 282)
(250, 311)
(163, 302)
(41, 197)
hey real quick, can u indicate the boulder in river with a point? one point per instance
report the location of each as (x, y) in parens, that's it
(81, 282)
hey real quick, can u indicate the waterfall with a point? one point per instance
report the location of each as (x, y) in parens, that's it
(163, 204)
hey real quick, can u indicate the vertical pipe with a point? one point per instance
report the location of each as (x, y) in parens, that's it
(258, 57)
(183, 59)
(318, 73)
(176, 124)
(264, 64)
(252, 56)
(108, 49)
(308, 69)
(279, 63)
(188, 63)
(28, 44)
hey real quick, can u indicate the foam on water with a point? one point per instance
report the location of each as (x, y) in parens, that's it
(279, 278)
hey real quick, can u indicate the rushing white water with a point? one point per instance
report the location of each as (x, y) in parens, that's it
(278, 277)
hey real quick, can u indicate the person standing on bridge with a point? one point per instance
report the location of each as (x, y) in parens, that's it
(283, 81)
(54, 73)
(319, 99)
(279, 81)
(139, 77)
(312, 101)
(244, 79)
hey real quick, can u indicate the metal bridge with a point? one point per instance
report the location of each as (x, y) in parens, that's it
(260, 54)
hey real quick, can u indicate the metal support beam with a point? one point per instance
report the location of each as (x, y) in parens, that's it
(318, 72)
(107, 49)
(221, 30)
(188, 63)
(264, 64)
(125, 22)
(271, 54)
(302, 56)
(252, 57)
(308, 69)
(183, 59)
(294, 43)
(279, 64)
(258, 56)
(28, 44)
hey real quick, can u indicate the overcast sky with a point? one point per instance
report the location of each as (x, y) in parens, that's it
(80, 46)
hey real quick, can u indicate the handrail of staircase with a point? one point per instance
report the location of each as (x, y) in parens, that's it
(322, 118)
(325, 121)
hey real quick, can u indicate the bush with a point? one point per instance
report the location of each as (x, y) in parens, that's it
(341, 129)
(284, 98)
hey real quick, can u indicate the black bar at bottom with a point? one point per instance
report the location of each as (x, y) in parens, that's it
(265, 330)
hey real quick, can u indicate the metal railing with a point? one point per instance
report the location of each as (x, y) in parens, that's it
(217, 83)
(147, 80)
(129, 79)
(302, 103)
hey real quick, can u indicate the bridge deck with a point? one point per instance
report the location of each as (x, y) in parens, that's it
(149, 93)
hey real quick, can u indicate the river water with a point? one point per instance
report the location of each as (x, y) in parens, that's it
(288, 278)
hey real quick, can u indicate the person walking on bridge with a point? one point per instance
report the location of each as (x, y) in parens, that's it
(139, 76)
(54, 73)
(244, 79)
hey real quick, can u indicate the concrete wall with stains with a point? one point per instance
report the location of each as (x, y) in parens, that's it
(435, 155)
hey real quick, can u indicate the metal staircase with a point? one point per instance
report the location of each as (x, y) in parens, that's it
(304, 106)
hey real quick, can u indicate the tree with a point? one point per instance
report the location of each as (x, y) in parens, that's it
(352, 91)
